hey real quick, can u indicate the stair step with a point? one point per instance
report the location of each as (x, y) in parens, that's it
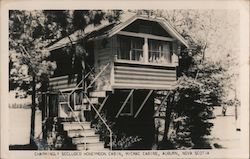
(91, 146)
(78, 107)
(161, 117)
(75, 125)
(82, 107)
(76, 113)
(92, 100)
(80, 132)
(98, 94)
(163, 109)
(87, 139)
(63, 102)
(68, 119)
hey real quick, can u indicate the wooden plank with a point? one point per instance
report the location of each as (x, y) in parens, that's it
(58, 78)
(141, 86)
(61, 82)
(104, 52)
(62, 77)
(123, 61)
(123, 105)
(122, 72)
(97, 94)
(143, 77)
(63, 85)
(153, 70)
(130, 81)
(143, 103)
(92, 100)
(144, 35)
(104, 57)
(70, 89)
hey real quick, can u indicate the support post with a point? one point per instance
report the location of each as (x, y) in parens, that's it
(143, 103)
(123, 105)
(101, 106)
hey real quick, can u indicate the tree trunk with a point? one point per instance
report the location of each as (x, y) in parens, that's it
(83, 73)
(165, 143)
(33, 108)
(167, 120)
(203, 52)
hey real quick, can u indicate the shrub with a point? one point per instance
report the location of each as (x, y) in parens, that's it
(120, 141)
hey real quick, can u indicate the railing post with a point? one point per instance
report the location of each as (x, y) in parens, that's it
(111, 141)
(145, 50)
(112, 74)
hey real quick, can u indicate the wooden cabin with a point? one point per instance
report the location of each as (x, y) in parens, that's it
(127, 64)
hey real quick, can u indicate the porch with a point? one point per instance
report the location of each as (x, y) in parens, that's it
(144, 61)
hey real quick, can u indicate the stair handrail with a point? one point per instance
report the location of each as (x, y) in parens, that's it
(73, 90)
(104, 122)
(71, 109)
(77, 86)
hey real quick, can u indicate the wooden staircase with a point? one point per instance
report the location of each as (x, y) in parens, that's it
(79, 130)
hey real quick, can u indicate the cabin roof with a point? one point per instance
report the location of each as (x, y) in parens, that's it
(106, 30)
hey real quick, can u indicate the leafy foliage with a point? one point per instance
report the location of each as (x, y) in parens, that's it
(120, 141)
(27, 50)
(32, 31)
(197, 92)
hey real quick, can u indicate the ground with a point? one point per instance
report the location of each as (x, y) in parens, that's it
(224, 133)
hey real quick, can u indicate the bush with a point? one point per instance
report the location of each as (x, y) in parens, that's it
(198, 90)
(192, 110)
(120, 141)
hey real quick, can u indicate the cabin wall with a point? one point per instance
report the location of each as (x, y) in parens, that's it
(103, 51)
(148, 27)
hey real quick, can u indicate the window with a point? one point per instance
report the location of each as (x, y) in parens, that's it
(130, 48)
(159, 51)
(128, 108)
(136, 49)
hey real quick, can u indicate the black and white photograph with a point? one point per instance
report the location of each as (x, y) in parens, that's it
(157, 82)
